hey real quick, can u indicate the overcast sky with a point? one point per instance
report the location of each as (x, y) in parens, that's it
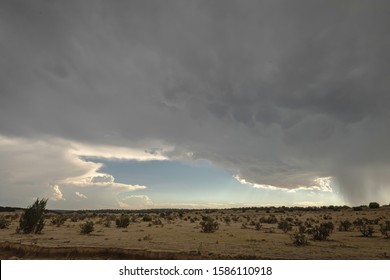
(106, 104)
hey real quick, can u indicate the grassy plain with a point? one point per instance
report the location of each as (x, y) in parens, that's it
(242, 234)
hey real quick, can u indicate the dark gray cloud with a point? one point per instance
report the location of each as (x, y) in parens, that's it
(282, 92)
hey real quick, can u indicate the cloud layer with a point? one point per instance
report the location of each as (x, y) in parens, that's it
(281, 92)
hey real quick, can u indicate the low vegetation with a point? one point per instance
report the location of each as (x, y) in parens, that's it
(299, 239)
(345, 225)
(87, 227)
(321, 232)
(33, 218)
(385, 229)
(123, 221)
(253, 233)
(209, 225)
(4, 223)
(285, 226)
(367, 230)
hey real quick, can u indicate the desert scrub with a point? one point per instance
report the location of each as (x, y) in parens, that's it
(4, 223)
(285, 226)
(269, 220)
(385, 229)
(147, 218)
(345, 225)
(87, 227)
(106, 221)
(58, 220)
(367, 230)
(299, 239)
(123, 221)
(321, 232)
(33, 218)
(209, 225)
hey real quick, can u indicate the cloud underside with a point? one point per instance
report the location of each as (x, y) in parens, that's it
(51, 169)
(283, 93)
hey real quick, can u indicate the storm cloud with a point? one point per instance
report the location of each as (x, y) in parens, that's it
(281, 92)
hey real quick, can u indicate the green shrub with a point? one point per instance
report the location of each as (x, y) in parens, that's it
(107, 222)
(345, 225)
(322, 231)
(58, 220)
(385, 229)
(147, 218)
(285, 226)
(209, 225)
(123, 221)
(373, 205)
(4, 223)
(33, 218)
(87, 227)
(299, 239)
(269, 220)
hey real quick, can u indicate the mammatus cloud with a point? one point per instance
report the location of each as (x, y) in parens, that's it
(280, 92)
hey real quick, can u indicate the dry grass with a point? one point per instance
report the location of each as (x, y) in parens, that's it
(181, 238)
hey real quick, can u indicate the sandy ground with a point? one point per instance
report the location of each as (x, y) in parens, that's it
(180, 237)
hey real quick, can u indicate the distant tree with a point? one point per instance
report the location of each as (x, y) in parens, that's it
(33, 218)
(373, 205)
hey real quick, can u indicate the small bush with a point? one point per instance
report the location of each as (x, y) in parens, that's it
(269, 220)
(285, 226)
(4, 223)
(33, 218)
(123, 221)
(299, 239)
(107, 222)
(322, 232)
(209, 225)
(147, 218)
(385, 229)
(359, 221)
(58, 220)
(345, 225)
(373, 205)
(87, 227)
(367, 230)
